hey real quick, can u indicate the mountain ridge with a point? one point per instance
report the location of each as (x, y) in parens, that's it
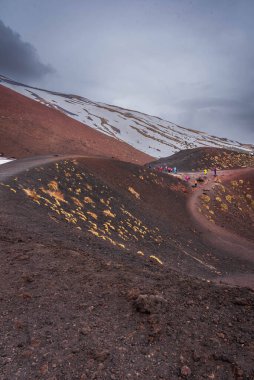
(29, 128)
(149, 134)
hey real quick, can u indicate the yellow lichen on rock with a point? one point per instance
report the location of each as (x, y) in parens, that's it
(88, 200)
(156, 259)
(229, 198)
(53, 185)
(224, 207)
(77, 202)
(205, 198)
(134, 192)
(32, 194)
(92, 214)
(57, 195)
(109, 213)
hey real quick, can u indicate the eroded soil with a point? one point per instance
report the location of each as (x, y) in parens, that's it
(106, 275)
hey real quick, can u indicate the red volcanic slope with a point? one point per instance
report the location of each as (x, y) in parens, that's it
(28, 128)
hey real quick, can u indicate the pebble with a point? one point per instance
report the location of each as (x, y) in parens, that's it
(185, 371)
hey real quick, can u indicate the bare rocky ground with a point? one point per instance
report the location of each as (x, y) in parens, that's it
(106, 275)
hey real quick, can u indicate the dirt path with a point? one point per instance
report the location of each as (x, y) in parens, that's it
(18, 166)
(219, 237)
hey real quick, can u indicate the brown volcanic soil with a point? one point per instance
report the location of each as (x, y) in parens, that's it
(81, 296)
(28, 128)
(206, 158)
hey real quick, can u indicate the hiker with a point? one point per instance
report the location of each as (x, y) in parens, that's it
(187, 178)
(175, 170)
(205, 172)
(214, 172)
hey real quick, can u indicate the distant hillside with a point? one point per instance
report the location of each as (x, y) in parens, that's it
(205, 158)
(28, 128)
(148, 134)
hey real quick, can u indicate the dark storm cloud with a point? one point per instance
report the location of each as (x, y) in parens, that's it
(19, 59)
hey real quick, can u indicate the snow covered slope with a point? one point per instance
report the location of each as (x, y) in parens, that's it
(149, 134)
(4, 160)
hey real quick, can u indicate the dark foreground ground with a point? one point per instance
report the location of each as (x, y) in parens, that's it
(99, 283)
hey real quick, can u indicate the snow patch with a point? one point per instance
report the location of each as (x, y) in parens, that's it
(4, 160)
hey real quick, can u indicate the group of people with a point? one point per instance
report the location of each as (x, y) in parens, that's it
(166, 169)
(187, 178)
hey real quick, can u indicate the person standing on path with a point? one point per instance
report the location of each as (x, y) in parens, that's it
(195, 183)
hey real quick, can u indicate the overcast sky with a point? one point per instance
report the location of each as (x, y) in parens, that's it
(190, 62)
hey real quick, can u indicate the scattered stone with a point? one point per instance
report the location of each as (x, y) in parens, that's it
(150, 304)
(222, 357)
(44, 369)
(185, 371)
(27, 277)
(133, 294)
(241, 302)
(26, 296)
(196, 357)
(239, 374)
(221, 335)
(101, 356)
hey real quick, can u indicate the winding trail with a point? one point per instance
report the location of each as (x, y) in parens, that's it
(219, 237)
(18, 166)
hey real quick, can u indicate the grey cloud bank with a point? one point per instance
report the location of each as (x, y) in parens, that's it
(190, 62)
(19, 58)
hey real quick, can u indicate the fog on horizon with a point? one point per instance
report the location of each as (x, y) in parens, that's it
(190, 62)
